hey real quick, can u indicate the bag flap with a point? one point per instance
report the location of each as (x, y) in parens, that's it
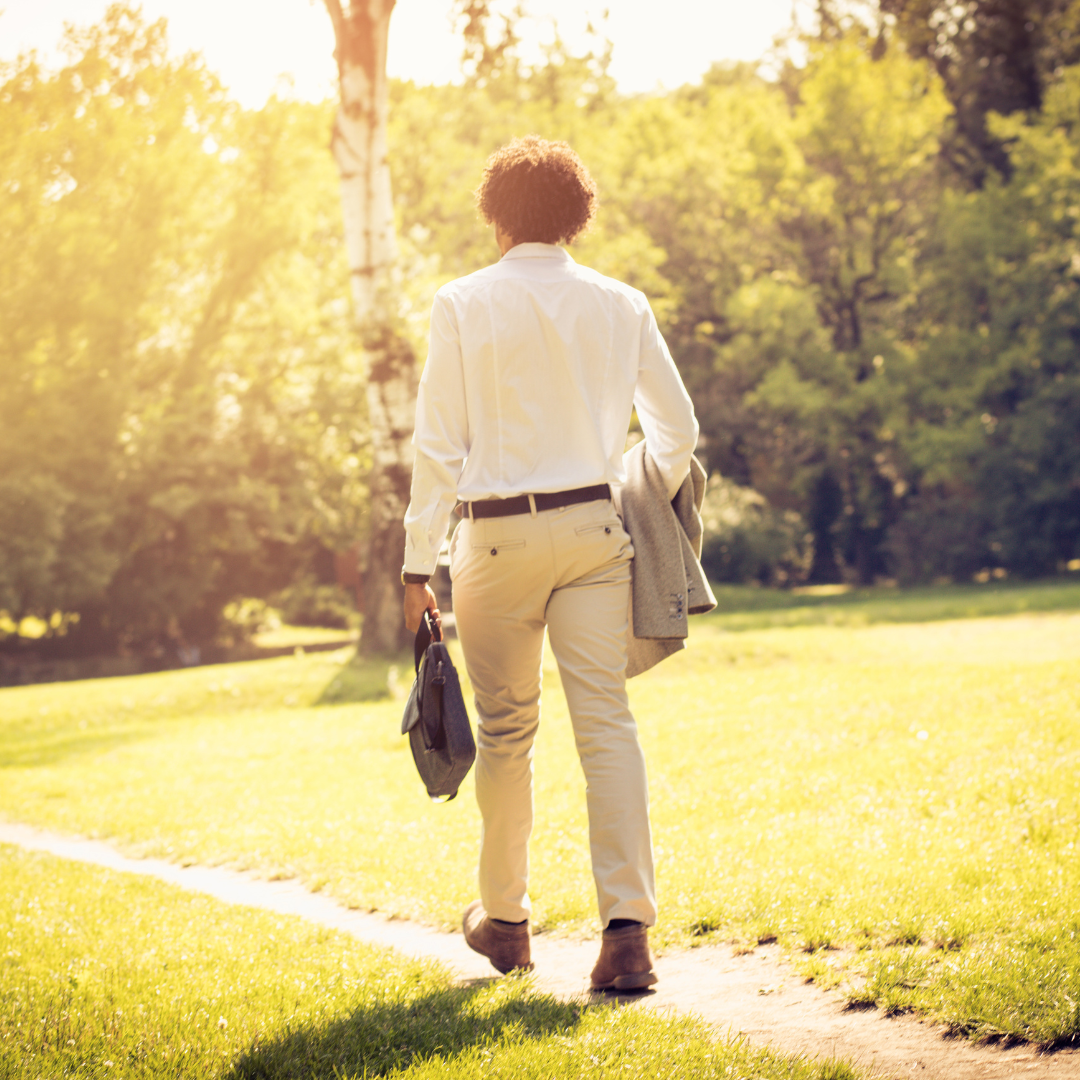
(427, 665)
(412, 708)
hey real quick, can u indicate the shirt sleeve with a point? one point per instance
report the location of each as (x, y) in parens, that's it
(441, 439)
(664, 408)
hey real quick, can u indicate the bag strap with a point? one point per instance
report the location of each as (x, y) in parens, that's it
(428, 631)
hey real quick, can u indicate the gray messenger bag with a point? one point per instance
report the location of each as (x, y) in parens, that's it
(435, 719)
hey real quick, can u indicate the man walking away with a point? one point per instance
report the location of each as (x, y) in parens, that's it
(535, 365)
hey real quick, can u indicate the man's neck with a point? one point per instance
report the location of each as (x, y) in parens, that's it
(504, 240)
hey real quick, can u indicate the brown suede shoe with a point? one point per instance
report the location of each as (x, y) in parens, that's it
(507, 947)
(626, 961)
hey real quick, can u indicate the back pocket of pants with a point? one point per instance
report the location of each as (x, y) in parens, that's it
(495, 546)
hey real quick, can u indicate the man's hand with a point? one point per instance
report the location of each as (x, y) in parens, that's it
(418, 599)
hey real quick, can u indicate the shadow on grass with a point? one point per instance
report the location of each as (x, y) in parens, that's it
(506, 1029)
(30, 749)
(376, 1040)
(369, 678)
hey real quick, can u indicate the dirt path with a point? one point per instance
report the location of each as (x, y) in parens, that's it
(756, 994)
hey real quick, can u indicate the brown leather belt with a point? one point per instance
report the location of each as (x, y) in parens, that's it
(519, 504)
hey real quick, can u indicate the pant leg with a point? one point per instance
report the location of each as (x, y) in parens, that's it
(587, 626)
(501, 583)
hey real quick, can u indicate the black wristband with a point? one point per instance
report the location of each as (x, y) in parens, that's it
(414, 579)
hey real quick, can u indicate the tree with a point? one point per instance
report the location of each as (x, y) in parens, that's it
(179, 395)
(993, 56)
(995, 393)
(359, 145)
(868, 132)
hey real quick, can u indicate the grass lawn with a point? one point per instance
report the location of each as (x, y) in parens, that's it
(744, 608)
(896, 800)
(110, 975)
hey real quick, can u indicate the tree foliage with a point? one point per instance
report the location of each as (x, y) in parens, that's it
(876, 312)
(179, 398)
(993, 56)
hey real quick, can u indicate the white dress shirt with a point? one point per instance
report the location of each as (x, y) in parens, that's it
(534, 367)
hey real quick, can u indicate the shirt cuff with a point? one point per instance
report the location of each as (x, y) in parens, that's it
(415, 563)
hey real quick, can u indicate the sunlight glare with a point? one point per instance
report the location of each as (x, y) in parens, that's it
(286, 46)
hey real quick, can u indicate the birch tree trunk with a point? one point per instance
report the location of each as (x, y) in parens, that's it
(359, 145)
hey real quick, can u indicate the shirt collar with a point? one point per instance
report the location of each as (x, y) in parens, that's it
(537, 251)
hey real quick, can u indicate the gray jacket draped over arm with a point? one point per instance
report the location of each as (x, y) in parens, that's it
(668, 583)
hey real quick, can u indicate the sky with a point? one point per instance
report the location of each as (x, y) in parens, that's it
(252, 44)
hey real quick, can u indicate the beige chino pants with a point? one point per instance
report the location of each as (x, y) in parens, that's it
(568, 569)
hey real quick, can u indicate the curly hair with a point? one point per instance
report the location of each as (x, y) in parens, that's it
(537, 191)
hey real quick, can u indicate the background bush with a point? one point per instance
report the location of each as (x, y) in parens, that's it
(306, 602)
(747, 540)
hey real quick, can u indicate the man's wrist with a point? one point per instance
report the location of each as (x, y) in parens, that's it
(414, 579)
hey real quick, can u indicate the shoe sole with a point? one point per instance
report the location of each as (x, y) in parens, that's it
(639, 980)
(501, 970)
